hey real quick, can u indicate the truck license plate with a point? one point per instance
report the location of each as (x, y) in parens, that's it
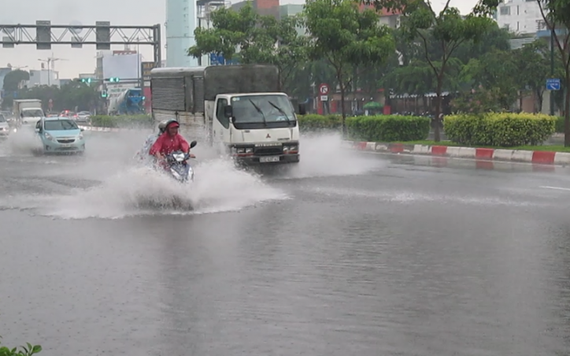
(269, 159)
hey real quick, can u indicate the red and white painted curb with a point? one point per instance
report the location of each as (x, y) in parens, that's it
(488, 154)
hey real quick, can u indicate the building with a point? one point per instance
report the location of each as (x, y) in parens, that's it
(262, 7)
(520, 16)
(41, 77)
(181, 21)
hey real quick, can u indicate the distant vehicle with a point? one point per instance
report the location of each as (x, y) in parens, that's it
(28, 111)
(4, 127)
(83, 116)
(70, 114)
(60, 135)
(129, 102)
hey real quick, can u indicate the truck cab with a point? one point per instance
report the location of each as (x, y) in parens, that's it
(259, 127)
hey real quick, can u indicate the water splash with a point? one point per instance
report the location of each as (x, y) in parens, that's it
(325, 155)
(218, 187)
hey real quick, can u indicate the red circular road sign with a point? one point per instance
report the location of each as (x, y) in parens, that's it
(323, 89)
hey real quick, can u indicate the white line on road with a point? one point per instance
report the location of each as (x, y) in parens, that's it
(555, 188)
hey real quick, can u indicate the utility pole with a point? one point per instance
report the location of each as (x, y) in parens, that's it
(551, 96)
(50, 65)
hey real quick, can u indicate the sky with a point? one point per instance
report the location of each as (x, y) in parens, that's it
(87, 12)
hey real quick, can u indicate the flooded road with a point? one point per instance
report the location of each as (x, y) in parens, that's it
(347, 254)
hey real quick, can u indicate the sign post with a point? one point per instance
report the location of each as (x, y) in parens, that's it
(553, 84)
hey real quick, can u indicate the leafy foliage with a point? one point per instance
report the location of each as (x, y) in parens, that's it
(556, 14)
(27, 350)
(385, 128)
(499, 129)
(346, 38)
(68, 96)
(249, 38)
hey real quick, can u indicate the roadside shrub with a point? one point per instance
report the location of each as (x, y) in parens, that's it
(499, 129)
(388, 128)
(122, 121)
(27, 350)
(316, 123)
(559, 124)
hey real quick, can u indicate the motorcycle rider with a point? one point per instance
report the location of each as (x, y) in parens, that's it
(169, 142)
(142, 154)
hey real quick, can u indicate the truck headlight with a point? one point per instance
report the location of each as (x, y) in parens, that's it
(290, 148)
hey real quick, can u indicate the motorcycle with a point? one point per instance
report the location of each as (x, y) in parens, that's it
(178, 165)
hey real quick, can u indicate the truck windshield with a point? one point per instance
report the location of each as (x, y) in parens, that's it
(33, 113)
(263, 110)
(60, 125)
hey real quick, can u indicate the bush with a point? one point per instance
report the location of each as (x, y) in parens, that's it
(499, 129)
(27, 350)
(388, 128)
(122, 121)
(559, 124)
(316, 123)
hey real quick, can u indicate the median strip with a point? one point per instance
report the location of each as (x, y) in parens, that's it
(477, 153)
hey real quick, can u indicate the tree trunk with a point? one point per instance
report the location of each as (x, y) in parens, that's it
(540, 97)
(567, 109)
(342, 108)
(436, 131)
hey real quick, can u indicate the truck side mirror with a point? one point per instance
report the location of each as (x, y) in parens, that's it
(302, 109)
(228, 111)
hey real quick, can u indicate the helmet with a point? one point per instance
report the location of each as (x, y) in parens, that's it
(172, 122)
(162, 126)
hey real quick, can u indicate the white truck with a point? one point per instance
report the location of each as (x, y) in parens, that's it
(28, 111)
(238, 109)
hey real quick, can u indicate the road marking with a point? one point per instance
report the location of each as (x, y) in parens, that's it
(555, 188)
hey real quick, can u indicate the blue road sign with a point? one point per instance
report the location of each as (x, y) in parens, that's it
(552, 84)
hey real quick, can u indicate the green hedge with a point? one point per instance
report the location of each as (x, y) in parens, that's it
(499, 129)
(122, 121)
(384, 128)
(388, 128)
(315, 123)
(560, 124)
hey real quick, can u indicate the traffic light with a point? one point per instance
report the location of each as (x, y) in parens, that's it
(86, 80)
(104, 94)
(114, 80)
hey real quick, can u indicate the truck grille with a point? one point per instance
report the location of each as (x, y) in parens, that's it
(268, 151)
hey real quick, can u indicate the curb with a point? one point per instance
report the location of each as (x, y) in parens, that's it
(483, 154)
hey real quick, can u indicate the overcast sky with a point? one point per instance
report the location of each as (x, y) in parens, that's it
(86, 12)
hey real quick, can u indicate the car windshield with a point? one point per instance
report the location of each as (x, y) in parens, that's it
(262, 109)
(59, 125)
(32, 113)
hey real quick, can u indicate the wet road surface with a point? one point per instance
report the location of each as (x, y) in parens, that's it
(349, 254)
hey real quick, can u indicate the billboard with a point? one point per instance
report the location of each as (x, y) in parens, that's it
(124, 66)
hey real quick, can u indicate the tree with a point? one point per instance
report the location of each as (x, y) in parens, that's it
(556, 15)
(533, 68)
(447, 30)
(346, 38)
(249, 38)
(13, 79)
